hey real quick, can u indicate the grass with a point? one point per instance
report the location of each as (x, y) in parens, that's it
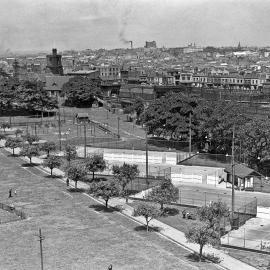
(78, 234)
(259, 261)
(6, 216)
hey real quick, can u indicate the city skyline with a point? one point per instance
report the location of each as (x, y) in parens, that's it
(69, 24)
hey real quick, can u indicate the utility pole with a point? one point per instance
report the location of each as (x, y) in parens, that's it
(146, 157)
(59, 130)
(233, 174)
(190, 134)
(118, 134)
(84, 138)
(41, 238)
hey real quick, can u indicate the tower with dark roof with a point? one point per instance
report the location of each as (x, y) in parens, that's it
(54, 63)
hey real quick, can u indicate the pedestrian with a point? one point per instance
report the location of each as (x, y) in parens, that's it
(110, 267)
(67, 182)
(15, 192)
(10, 193)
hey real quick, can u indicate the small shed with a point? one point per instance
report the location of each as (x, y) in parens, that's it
(245, 177)
(82, 117)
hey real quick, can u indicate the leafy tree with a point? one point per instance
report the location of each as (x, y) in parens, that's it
(18, 132)
(52, 162)
(165, 193)
(138, 107)
(13, 143)
(4, 126)
(48, 147)
(213, 213)
(70, 153)
(8, 93)
(81, 91)
(34, 97)
(95, 163)
(148, 211)
(200, 233)
(125, 174)
(2, 136)
(31, 139)
(253, 143)
(168, 116)
(105, 189)
(29, 151)
(76, 173)
(216, 120)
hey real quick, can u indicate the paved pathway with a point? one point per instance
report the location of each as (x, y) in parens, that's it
(227, 262)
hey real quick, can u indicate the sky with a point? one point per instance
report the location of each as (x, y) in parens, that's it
(27, 25)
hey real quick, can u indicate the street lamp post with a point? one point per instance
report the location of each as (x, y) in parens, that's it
(233, 172)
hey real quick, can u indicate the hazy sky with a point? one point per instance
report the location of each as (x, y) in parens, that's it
(81, 24)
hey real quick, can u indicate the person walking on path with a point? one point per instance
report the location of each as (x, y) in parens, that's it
(110, 267)
(10, 193)
(15, 192)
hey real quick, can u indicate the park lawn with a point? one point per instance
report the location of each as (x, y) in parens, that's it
(174, 216)
(78, 233)
(6, 216)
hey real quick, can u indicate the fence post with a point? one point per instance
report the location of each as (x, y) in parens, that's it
(261, 245)
(244, 237)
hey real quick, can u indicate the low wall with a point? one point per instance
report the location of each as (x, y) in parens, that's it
(135, 156)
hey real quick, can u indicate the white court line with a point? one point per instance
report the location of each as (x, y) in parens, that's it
(67, 194)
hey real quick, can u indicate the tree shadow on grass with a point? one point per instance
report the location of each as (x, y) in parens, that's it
(15, 155)
(143, 228)
(27, 165)
(76, 190)
(194, 257)
(54, 176)
(102, 208)
(170, 211)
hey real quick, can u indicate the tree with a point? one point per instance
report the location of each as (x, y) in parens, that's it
(105, 189)
(252, 143)
(200, 233)
(213, 213)
(2, 136)
(95, 163)
(18, 132)
(13, 143)
(31, 138)
(29, 151)
(52, 162)
(4, 126)
(81, 91)
(76, 173)
(32, 95)
(165, 193)
(125, 174)
(168, 116)
(138, 107)
(148, 211)
(48, 147)
(216, 120)
(70, 153)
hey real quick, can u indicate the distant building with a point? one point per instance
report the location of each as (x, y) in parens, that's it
(54, 63)
(150, 44)
(192, 48)
(109, 72)
(92, 74)
(54, 84)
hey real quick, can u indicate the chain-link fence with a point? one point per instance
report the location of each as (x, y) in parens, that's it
(11, 209)
(248, 238)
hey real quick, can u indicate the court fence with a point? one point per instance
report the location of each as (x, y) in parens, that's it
(247, 238)
(13, 210)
